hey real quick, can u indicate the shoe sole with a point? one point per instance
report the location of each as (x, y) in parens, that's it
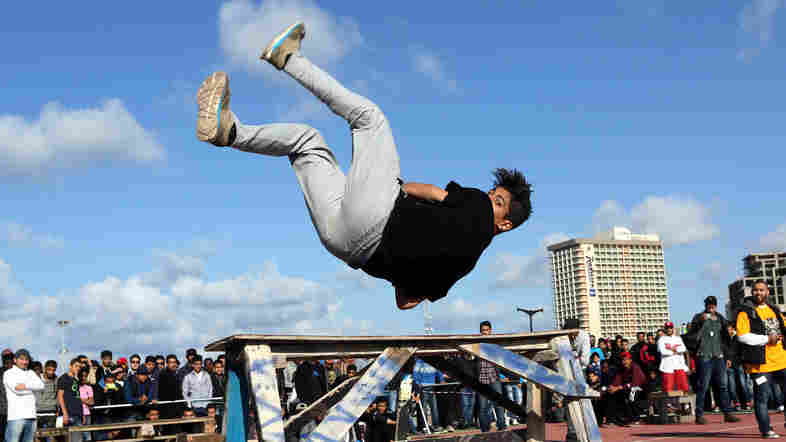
(211, 97)
(267, 54)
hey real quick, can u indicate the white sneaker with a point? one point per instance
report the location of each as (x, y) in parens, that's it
(284, 44)
(780, 408)
(771, 435)
(214, 119)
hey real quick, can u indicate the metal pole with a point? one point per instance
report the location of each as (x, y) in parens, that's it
(531, 313)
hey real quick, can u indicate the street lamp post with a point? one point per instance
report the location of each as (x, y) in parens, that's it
(531, 313)
(63, 323)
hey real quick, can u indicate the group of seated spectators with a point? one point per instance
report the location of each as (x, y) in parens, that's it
(156, 387)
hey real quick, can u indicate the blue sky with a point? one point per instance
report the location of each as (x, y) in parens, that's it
(659, 116)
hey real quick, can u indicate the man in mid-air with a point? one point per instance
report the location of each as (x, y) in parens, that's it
(419, 237)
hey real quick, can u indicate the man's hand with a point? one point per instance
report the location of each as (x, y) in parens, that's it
(614, 389)
(66, 419)
(20, 387)
(154, 401)
(773, 339)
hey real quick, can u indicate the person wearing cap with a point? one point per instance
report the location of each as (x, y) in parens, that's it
(20, 383)
(140, 390)
(672, 364)
(628, 380)
(760, 327)
(709, 340)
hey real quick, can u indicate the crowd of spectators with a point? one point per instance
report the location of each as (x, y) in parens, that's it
(90, 392)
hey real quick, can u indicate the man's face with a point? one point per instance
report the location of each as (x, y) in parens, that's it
(592, 341)
(22, 362)
(500, 201)
(640, 337)
(710, 308)
(197, 365)
(160, 363)
(760, 293)
(626, 362)
(485, 330)
(731, 330)
(75, 367)
(650, 339)
(352, 373)
(211, 412)
(171, 364)
(660, 333)
(49, 372)
(382, 407)
(152, 415)
(135, 363)
(106, 361)
(151, 365)
(593, 377)
(218, 368)
(188, 414)
(624, 345)
(669, 331)
(602, 345)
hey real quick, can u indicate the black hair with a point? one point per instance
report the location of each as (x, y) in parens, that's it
(640, 333)
(135, 356)
(150, 359)
(171, 356)
(50, 363)
(197, 358)
(514, 182)
(36, 364)
(210, 405)
(106, 354)
(208, 359)
(761, 281)
(488, 323)
(160, 357)
(74, 361)
(80, 357)
(352, 367)
(8, 357)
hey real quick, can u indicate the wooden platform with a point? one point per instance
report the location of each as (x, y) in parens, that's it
(336, 347)
(253, 359)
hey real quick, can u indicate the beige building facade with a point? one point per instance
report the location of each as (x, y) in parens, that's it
(614, 283)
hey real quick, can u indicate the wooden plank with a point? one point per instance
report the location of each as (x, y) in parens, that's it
(536, 422)
(324, 403)
(137, 424)
(469, 379)
(236, 401)
(348, 351)
(529, 370)
(422, 342)
(263, 386)
(372, 384)
(198, 437)
(581, 412)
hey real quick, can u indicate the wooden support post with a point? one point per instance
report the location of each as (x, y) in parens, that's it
(582, 415)
(264, 387)
(372, 384)
(536, 423)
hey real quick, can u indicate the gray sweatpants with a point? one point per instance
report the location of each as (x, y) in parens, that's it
(349, 212)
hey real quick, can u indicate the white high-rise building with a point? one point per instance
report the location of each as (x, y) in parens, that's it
(614, 283)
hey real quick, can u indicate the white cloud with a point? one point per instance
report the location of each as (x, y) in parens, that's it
(20, 235)
(245, 28)
(525, 271)
(151, 313)
(62, 137)
(430, 65)
(676, 219)
(357, 279)
(775, 240)
(756, 27)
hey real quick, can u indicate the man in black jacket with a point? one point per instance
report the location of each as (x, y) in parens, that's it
(310, 381)
(709, 339)
(169, 389)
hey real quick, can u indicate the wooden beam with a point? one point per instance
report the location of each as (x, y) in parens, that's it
(349, 345)
(469, 379)
(529, 370)
(372, 384)
(264, 389)
(581, 412)
(137, 424)
(536, 422)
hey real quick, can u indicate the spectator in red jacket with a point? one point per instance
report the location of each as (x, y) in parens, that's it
(628, 382)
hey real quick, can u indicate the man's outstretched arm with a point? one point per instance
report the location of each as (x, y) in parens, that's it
(428, 192)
